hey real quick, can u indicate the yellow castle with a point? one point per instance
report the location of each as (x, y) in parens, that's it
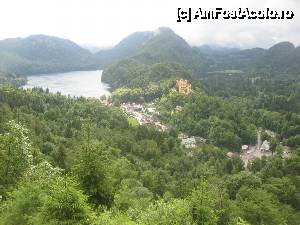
(183, 86)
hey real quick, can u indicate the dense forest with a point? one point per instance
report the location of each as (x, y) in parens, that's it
(226, 108)
(67, 160)
(12, 79)
(73, 161)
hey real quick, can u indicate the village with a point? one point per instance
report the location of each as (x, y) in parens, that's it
(144, 114)
(147, 114)
(262, 149)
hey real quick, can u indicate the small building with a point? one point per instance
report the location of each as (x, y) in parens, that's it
(230, 154)
(287, 152)
(182, 136)
(189, 142)
(178, 108)
(184, 86)
(152, 110)
(245, 147)
(265, 147)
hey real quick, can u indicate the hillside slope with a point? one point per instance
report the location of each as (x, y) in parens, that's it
(43, 54)
(153, 47)
(282, 57)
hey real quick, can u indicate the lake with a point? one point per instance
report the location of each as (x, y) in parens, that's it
(76, 83)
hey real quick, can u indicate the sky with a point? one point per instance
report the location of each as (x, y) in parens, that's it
(105, 23)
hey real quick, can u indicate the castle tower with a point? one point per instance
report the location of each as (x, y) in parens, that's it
(184, 86)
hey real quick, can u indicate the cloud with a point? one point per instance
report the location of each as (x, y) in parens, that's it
(105, 23)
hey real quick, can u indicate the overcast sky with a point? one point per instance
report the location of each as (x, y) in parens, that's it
(105, 23)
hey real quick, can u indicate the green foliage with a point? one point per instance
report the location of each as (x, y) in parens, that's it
(203, 205)
(16, 155)
(235, 182)
(260, 207)
(132, 194)
(140, 82)
(44, 196)
(174, 212)
(224, 124)
(120, 174)
(109, 218)
(12, 79)
(91, 167)
(133, 121)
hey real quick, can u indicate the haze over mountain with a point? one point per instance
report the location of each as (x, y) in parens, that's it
(44, 54)
(105, 23)
(154, 46)
(283, 57)
(214, 49)
(164, 45)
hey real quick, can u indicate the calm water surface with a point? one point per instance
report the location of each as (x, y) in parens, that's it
(77, 83)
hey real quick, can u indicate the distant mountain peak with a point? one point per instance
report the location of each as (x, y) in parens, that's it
(43, 54)
(284, 46)
(163, 30)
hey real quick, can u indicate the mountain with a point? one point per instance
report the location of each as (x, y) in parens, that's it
(153, 47)
(283, 57)
(127, 60)
(43, 54)
(132, 74)
(129, 46)
(278, 58)
(164, 44)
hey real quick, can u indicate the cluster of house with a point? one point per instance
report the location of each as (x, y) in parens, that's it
(249, 153)
(147, 114)
(264, 147)
(190, 142)
(143, 114)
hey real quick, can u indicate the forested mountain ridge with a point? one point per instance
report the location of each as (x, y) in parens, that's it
(43, 54)
(163, 45)
(74, 161)
(125, 48)
(282, 57)
(155, 46)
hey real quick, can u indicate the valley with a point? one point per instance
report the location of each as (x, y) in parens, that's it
(151, 131)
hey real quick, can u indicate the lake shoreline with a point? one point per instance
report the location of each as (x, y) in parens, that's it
(73, 83)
